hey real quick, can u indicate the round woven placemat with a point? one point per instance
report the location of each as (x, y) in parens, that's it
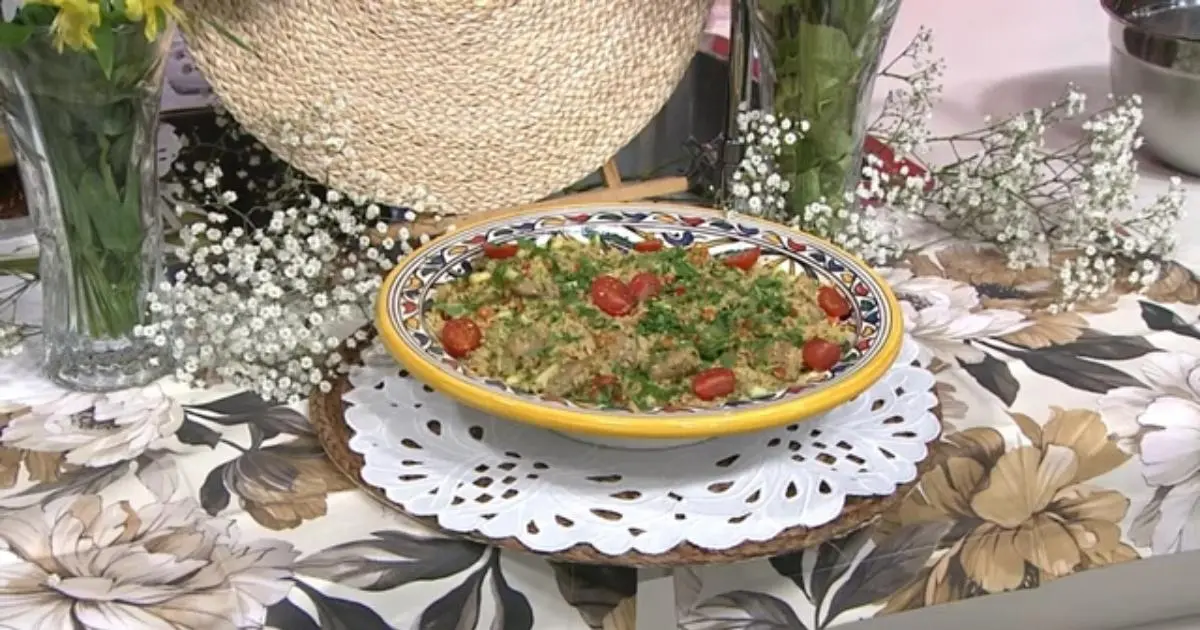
(486, 104)
(326, 413)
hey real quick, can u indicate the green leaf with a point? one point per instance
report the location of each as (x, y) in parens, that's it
(105, 43)
(13, 35)
(823, 51)
(34, 14)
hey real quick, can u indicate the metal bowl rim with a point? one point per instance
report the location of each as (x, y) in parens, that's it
(1123, 18)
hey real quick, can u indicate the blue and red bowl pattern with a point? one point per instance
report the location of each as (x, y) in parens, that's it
(453, 257)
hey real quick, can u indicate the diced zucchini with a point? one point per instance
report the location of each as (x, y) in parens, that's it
(543, 379)
(479, 277)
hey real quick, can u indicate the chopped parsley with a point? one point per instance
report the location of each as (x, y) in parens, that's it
(706, 315)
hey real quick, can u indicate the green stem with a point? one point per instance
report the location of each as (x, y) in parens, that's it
(19, 266)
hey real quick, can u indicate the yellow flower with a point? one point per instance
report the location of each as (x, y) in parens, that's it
(147, 11)
(72, 27)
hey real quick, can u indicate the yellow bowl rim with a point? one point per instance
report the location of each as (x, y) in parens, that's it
(642, 426)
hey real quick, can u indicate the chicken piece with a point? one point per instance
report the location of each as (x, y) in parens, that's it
(675, 364)
(523, 344)
(535, 288)
(787, 359)
(625, 350)
(570, 377)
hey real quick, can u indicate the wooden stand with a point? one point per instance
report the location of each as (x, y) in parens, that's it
(613, 191)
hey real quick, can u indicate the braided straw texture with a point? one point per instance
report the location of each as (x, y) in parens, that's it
(484, 103)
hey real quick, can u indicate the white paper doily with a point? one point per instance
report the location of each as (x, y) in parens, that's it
(478, 473)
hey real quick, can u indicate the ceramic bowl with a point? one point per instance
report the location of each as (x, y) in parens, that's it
(407, 293)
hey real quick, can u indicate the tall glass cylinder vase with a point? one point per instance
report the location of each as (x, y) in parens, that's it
(84, 135)
(822, 57)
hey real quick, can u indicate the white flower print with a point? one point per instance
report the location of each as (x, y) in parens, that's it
(22, 387)
(942, 315)
(79, 563)
(91, 429)
(1161, 425)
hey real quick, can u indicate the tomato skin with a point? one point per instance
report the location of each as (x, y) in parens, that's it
(645, 285)
(646, 247)
(832, 302)
(714, 383)
(460, 337)
(821, 355)
(744, 259)
(500, 251)
(611, 295)
(606, 383)
(604, 380)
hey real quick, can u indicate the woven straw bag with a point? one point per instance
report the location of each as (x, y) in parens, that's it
(484, 103)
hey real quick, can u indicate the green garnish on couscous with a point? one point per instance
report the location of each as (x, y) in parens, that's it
(656, 327)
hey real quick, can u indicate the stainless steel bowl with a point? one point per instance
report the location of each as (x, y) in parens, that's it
(1156, 53)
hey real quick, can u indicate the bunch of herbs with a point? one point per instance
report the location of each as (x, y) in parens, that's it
(822, 56)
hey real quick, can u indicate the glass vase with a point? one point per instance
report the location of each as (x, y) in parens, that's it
(85, 139)
(821, 58)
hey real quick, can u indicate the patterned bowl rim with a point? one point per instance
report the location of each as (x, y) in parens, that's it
(703, 423)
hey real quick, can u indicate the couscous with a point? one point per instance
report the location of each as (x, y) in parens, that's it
(654, 327)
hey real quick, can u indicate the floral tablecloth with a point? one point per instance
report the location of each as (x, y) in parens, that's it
(1072, 441)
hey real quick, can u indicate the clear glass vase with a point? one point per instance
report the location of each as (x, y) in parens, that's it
(820, 62)
(84, 136)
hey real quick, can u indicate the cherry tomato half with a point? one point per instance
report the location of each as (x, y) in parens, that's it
(604, 380)
(611, 295)
(652, 245)
(832, 302)
(460, 337)
(744, 259)
(714, 383)
(500, 251)
(644, 286)
(606, 383)
(821, 355)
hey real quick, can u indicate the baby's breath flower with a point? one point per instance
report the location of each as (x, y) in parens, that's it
(1072, 206)
(759, 189)
(1075, 206)
(258, 306)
